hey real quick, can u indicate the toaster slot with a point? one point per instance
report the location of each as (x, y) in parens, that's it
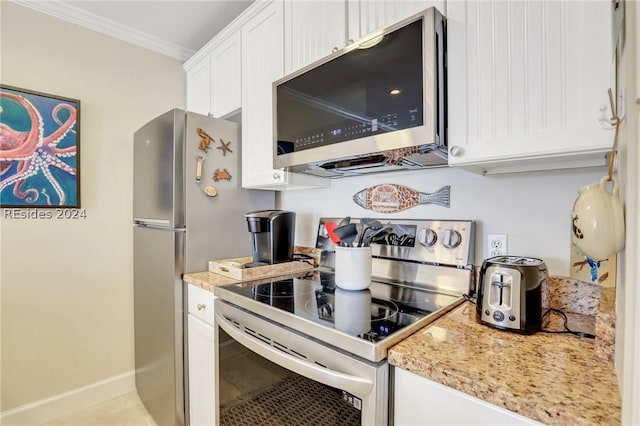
(500, 294)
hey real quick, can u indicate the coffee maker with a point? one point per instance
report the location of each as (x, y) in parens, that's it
(510, 293)
(272, 236)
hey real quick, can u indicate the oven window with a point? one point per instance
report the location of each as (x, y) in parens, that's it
(255, 391)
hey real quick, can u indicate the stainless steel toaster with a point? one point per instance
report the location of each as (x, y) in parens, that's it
(510, 293)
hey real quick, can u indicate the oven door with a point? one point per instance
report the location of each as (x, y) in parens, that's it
(268, 374)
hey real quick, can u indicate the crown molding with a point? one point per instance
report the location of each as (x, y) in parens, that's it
(93, 22)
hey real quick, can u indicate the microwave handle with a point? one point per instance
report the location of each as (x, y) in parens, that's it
(351, 384)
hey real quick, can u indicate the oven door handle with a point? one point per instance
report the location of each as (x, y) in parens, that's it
(351, 384)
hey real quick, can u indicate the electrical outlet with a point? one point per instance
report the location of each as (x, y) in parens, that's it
(497, 245)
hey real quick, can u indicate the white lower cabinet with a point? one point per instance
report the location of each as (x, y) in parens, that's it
(420, 401)
(202, 400)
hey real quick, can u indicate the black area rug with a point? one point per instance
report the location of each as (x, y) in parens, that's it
(295, 401)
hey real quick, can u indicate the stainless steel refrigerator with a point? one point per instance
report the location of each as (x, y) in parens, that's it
(188, 208)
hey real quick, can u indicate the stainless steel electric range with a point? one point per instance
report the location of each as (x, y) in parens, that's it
(335, 341)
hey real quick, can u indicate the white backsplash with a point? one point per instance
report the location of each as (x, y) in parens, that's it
(533, 209)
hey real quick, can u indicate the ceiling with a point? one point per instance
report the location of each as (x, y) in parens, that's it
(173, 28)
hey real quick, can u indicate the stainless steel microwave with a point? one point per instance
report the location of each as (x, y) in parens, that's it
(377, 105)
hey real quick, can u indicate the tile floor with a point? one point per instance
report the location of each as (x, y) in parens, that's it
(126, 410)
(242, 373)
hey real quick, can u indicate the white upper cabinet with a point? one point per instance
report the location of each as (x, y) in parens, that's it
(316, 28)
(213, 78)
(225, 63)
(526, 81)
(312, 30)
(373, 15)
(262, 64)
(198, 87)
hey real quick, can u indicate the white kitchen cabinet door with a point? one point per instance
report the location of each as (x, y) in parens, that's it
(367, 16)
(199, 87)
(262, 64)
(200, 346)
(526, 81)
(312, 30)
(419, 401)
(202, 401)
(226, 76)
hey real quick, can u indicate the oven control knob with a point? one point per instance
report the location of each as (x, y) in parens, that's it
(451, 238)
(326, 311)
(427, 237)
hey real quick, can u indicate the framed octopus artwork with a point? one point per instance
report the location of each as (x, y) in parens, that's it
(39, 149)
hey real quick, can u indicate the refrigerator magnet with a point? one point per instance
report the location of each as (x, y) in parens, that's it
(205, 141)
(199, 161)
(224, 147)
(221, 175)
(210, 191)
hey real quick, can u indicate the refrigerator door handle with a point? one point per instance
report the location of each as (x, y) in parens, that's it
(156, 223)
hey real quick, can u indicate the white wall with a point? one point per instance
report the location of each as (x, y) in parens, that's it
(628, 294)
(533, 209)
(67, 287)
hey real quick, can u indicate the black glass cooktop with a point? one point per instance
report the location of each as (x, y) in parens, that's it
(371, 315)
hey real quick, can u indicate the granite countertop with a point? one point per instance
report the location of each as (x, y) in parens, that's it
(207, 280)
(308, 259)
(551, 378)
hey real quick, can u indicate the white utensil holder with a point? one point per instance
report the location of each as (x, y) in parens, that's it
(353, 267)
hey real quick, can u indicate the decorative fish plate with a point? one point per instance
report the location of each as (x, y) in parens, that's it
(393, 198)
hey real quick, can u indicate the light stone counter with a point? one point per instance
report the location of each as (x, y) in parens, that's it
(551, 378)
(209, 280)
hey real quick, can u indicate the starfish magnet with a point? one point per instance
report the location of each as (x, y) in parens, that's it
(224, 147)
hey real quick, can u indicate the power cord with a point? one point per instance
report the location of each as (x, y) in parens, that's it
(566, 330)
(469, 298)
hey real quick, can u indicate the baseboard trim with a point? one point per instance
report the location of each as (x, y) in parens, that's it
(61, 405)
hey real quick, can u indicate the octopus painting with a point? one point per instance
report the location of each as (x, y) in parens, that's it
(39, 137)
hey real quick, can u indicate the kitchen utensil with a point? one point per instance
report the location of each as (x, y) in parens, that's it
(344, 221)
(367, 225)
(331, 227)
(347, 233)
(353, 267)
(598, 220)
(510, 293)
(385, 230)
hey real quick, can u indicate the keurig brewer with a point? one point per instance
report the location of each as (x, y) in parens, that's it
(272, 236)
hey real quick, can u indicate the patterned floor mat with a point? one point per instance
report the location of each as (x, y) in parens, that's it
(295, 401)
